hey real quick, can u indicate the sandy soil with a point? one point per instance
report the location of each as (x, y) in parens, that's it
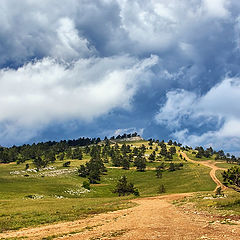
(152, 218)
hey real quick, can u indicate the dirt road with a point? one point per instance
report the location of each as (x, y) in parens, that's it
(152, 218)
(210, 165)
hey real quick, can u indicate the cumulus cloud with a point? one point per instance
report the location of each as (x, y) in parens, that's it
(46, 29)
(70, 45)
(161, 25)
(141, 26)
(216, 8)
(62, 52)
(183, 108)
(44, 91)
(178, 105)
(197, 36)
(215, 139)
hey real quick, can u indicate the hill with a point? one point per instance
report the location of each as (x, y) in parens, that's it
(32, 194)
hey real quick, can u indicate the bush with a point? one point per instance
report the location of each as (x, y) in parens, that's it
(159, 172)
(86, 185)
(171, 167)
(161, 189)
(219, 192)
(66, 164)
(82, 171)
(136, 192)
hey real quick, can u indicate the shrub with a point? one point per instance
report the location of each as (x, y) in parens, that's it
(159, 172)
(86, 185)
(66, 164)
(218, 191)
(161, 189)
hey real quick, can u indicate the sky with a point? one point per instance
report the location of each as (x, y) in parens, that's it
(166, 69)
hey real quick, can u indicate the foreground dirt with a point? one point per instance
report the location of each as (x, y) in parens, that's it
(152, 218)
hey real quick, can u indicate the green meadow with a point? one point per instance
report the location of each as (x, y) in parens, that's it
(192, 154)
(56, 194)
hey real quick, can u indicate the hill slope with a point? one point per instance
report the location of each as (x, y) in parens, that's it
(56, 194)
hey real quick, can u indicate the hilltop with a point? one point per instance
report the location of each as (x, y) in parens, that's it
(51, 182)
(129, 139)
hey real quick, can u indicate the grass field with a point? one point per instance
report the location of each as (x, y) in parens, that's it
(54, 195)
(193, 156)
(226, 165)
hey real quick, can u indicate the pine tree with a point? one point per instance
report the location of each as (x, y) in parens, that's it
(171, 167)
(124, 188)
(152, 156)
(125, 163)
(140, 163)
(159, 172)
(40, 163)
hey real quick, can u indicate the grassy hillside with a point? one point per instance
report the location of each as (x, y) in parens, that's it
(192, 154)
(56, 194)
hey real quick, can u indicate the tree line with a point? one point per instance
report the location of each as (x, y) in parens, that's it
(45, 150)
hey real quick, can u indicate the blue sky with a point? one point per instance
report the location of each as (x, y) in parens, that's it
(167, 69)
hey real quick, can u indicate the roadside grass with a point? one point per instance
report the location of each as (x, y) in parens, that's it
(19, 213)
(35, 200)
(227, 205)
(226, 165)
(219, 175)
(230, 203)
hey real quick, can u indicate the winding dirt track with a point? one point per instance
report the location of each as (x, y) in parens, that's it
(210, 165)
(152, 218)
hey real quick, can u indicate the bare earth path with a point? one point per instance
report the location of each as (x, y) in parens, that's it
(152, 218)
(210, 165)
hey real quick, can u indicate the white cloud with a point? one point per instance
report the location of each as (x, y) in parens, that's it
(46, 29)
(220, 103)
(45, 91)
(70, 28)
(222, 99)
(179, 104)
(230, 129)
(194, 41)
(215, 139)
(216, 8)
(165, 25)
(70, 45)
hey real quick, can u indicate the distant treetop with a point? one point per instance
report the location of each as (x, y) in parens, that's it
(130, 135)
